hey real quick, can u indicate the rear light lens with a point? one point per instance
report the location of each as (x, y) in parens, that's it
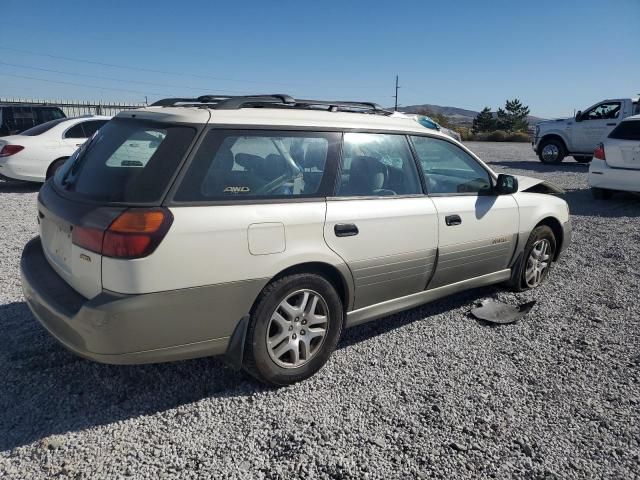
(9, 150)
(89, 238)
(599, 152)
(136, 233)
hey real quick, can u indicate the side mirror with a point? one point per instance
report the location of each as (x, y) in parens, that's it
(579, 116)
(506, 184)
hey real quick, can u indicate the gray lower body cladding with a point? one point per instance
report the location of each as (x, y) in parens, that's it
(472, 259)
(154, 327)
(384, 278)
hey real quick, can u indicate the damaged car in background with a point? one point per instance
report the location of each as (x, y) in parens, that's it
(260, 227)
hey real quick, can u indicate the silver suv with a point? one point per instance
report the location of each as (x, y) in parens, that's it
(259, 227)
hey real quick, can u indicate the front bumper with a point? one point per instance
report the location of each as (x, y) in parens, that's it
(130, 329)
(534, 144)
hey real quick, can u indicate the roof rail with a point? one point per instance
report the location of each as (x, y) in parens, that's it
(226, 102)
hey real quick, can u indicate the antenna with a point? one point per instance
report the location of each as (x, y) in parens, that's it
(396, 95)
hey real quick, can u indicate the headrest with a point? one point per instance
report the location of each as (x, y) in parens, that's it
(367, 175)
(316, 155)
(248, 161)
(224, 159)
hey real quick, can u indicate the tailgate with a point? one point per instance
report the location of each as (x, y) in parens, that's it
(57, 217)
(623, 154)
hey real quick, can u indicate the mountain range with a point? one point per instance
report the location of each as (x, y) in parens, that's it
(457, 116)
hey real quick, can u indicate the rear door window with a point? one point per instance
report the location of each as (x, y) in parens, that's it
(259, 164)
(75, 132)
(92, 126)
(629, 130)
(127, 161)
(45, 114)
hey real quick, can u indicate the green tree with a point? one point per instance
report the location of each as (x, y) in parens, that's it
(513, 118)
(484, 121)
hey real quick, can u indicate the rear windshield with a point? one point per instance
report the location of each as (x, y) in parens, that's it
(126, 161)
(43, 127)
(629, 130)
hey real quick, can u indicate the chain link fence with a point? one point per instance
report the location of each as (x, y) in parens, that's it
(77, 108)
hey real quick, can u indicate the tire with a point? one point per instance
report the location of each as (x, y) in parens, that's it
(53, 168)
(601, 193)
(284, 326)
(541, 233)
(583, 159)
(551, 151)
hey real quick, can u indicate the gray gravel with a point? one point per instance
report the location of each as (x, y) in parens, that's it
(430, 393)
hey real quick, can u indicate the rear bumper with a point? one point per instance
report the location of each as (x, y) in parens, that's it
(601, 175)
(130, 329)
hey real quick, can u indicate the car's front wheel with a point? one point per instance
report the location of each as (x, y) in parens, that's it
(538, 256)
(551, 151)
(294, 328)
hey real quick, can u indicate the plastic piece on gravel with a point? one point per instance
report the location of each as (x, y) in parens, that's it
(502, 313)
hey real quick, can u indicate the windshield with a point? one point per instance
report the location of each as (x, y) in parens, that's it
(130, 161)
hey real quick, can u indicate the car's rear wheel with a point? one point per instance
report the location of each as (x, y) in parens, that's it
(294, 328)
(583, 159)
(551, 151)
(538, 256)
(55, 165)
(601, 193)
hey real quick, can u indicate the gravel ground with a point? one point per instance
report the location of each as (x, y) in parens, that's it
(430, 393)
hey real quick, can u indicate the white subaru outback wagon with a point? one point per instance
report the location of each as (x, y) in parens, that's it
(260, 227)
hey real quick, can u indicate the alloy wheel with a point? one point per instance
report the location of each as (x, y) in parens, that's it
(297, 328)
(550, 152)
(538, 263)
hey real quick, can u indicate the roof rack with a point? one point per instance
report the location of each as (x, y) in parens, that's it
(226, 102)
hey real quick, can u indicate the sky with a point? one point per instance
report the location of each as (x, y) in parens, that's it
(556, 56)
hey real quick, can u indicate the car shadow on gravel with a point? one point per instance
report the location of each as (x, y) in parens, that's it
(582, 203)
(9, 186)
(48, 390)
(424, 312)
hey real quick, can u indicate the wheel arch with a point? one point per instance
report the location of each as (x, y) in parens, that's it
(554, 136)
(46, 175)
(556, 227)
(339, 277)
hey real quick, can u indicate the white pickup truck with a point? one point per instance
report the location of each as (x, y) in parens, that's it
(578, 136)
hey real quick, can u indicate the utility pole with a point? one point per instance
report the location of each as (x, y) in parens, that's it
(396, 95)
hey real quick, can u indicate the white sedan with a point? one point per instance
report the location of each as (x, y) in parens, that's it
(616, 161)
(37, 153)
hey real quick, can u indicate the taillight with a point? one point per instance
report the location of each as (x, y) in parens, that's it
(8, 150)
(136, 233)
(599, 152)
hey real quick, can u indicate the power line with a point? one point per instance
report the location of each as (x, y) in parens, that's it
(141, 69)
(85, 85)
(28, 67)
(164, 72)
